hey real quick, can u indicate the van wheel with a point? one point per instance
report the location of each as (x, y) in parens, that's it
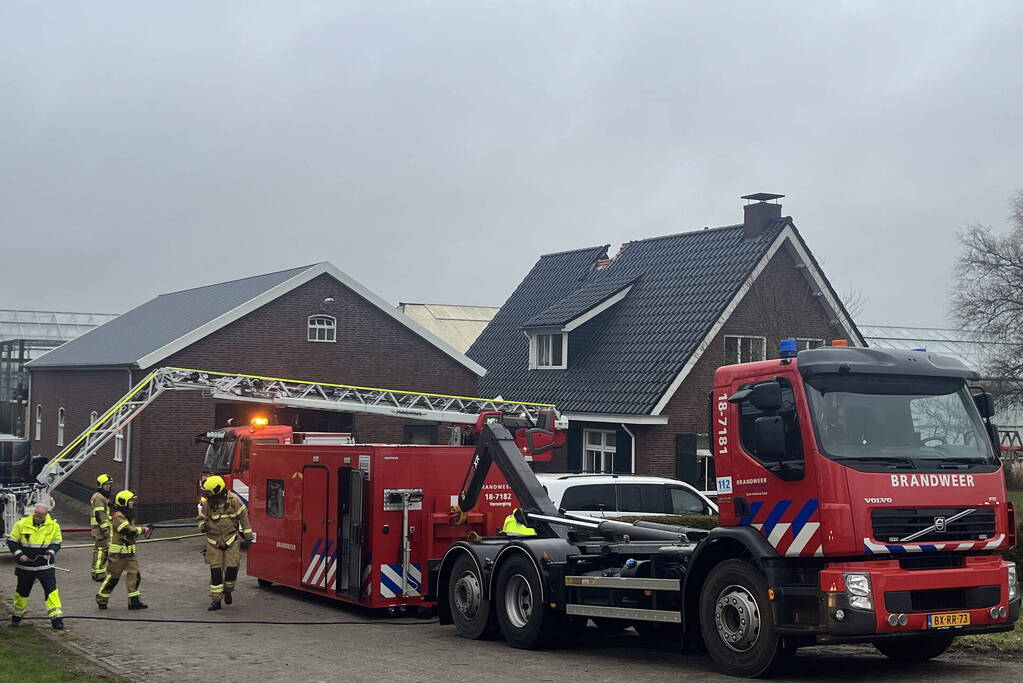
(470, 611)
(915, 649)
(525, 620)
(736, 621)
(263, 583)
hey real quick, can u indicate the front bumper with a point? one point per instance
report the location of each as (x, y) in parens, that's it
(974, 589)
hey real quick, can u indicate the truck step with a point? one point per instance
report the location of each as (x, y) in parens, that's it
(623, 582)
(662, 616)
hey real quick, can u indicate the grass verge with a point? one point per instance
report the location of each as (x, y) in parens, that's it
(27, 656)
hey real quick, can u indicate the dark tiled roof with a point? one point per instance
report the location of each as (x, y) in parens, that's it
(623, 360)
(160, 321)
(579, 301)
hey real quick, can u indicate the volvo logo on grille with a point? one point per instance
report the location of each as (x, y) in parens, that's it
(939, 524)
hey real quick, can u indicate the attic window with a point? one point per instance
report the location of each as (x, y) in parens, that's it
(744, 349)
(548, 351)
(322, 328)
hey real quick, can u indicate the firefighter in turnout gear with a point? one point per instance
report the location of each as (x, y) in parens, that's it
(121, 557)
(223, 517)
(100, 522)
(34, 541)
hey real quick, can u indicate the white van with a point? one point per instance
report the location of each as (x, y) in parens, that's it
(624, 495)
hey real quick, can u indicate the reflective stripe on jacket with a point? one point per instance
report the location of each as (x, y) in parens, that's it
(38, 542)
(100, 518)
(223, 520)
(123, 534)
(512, 526)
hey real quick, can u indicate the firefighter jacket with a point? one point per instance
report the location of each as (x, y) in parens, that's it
(513, 526)
(123, 534)
(100, 519)
(39, 542)
(222, 520)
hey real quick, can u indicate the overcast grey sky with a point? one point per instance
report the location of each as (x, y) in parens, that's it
(433, 150)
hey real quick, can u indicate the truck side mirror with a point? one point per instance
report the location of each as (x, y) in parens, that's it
(766, 396)
(770, 436)
(985, 404)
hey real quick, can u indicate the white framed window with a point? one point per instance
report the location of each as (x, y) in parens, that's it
(548, 351)
(93, 416)
(39, 421)
(322, 328)
(739, 349)
(119, 446)
(807, 344)
(599, 448)
(60, 426)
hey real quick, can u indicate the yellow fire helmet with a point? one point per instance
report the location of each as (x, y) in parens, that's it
(214, 484)
(104, 479)
(122, 498)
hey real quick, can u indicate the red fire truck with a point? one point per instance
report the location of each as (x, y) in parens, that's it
(228, 449)
(861, 501)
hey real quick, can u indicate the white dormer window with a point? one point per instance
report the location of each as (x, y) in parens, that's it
(548, 351)
(322, 328)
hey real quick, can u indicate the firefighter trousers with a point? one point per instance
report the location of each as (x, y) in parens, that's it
(117, 564)
(100, 544)
(26, 579)
(223, 564)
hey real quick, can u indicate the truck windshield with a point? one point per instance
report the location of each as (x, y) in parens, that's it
(915, 421)
(218, 456)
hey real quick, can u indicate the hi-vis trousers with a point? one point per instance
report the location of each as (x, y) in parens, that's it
(223, 564)
(117, 564)
(26, 579)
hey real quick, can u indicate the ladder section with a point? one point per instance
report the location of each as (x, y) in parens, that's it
(458, 410)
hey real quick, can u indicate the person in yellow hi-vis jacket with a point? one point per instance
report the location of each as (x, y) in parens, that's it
(223, 517)
(121, 553)
(515, 525)
(100, 523)
(34, 541)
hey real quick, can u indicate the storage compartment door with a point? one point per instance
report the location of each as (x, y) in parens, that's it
(316, 548)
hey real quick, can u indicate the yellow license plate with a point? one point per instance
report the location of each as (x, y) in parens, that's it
(948, 620)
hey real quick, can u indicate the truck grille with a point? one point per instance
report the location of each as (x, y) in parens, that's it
(942, 599)
(891, 525)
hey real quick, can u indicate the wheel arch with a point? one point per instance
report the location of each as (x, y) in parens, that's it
(479, 556)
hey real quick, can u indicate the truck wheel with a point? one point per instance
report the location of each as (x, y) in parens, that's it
(526, 622)
(915, 649)
(263, 583)
(470, 611)
(736, 620)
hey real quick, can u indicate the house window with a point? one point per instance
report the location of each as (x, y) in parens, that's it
(39, 421)
(548, 351)
(322, 328)
(598, 451)
(119, 446)
(744, 349)
(60, 426)
(807, 344)
(93, 416)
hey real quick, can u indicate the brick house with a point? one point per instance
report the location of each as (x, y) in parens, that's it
(627, 346)
(313, 322)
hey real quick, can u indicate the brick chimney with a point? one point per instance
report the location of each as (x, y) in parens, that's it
(758, 213)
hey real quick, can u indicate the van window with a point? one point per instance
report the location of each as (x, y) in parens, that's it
(641, 498)
(685, 502)
(593, 498)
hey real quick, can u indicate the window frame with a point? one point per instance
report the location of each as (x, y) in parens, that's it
(93, 417)
(738, 348)
(278, 497)
(313, 328)
(39, 422)
(61, 420)
(119, 445)
(607, 453)
(800, 343)
(535, 342)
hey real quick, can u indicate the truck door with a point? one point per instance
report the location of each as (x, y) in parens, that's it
(352, 536)
(316, 548)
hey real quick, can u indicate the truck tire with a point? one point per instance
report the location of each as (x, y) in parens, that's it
(915, 649)
(263, 583)
(736, 621)
(471, 613)
(525, 620)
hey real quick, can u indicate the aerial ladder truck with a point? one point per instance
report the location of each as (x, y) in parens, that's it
(861, 501)
(461, 412)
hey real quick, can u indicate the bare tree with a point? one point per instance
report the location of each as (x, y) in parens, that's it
(988, 293)
(854, 301)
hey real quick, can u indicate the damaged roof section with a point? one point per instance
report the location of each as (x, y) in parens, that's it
(594, 295)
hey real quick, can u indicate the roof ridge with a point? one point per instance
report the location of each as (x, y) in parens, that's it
(423, 303)
(572, 251)
(301, 269)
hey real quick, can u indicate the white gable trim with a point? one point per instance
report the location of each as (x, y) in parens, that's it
(788, 238)
(596, 310)
(288, 285)
(618, 418)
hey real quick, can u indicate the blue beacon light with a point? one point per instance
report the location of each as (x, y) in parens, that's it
(787, 348)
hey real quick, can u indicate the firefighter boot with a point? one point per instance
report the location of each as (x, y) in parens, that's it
(214, 606)
(15, 620)
(57, 623)
(227, 597)
(135, 603)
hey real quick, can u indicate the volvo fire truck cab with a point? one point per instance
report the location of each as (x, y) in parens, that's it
(229, 449)
(860, 501)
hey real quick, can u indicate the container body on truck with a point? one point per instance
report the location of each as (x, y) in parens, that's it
(362, 523)
(861, 500)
